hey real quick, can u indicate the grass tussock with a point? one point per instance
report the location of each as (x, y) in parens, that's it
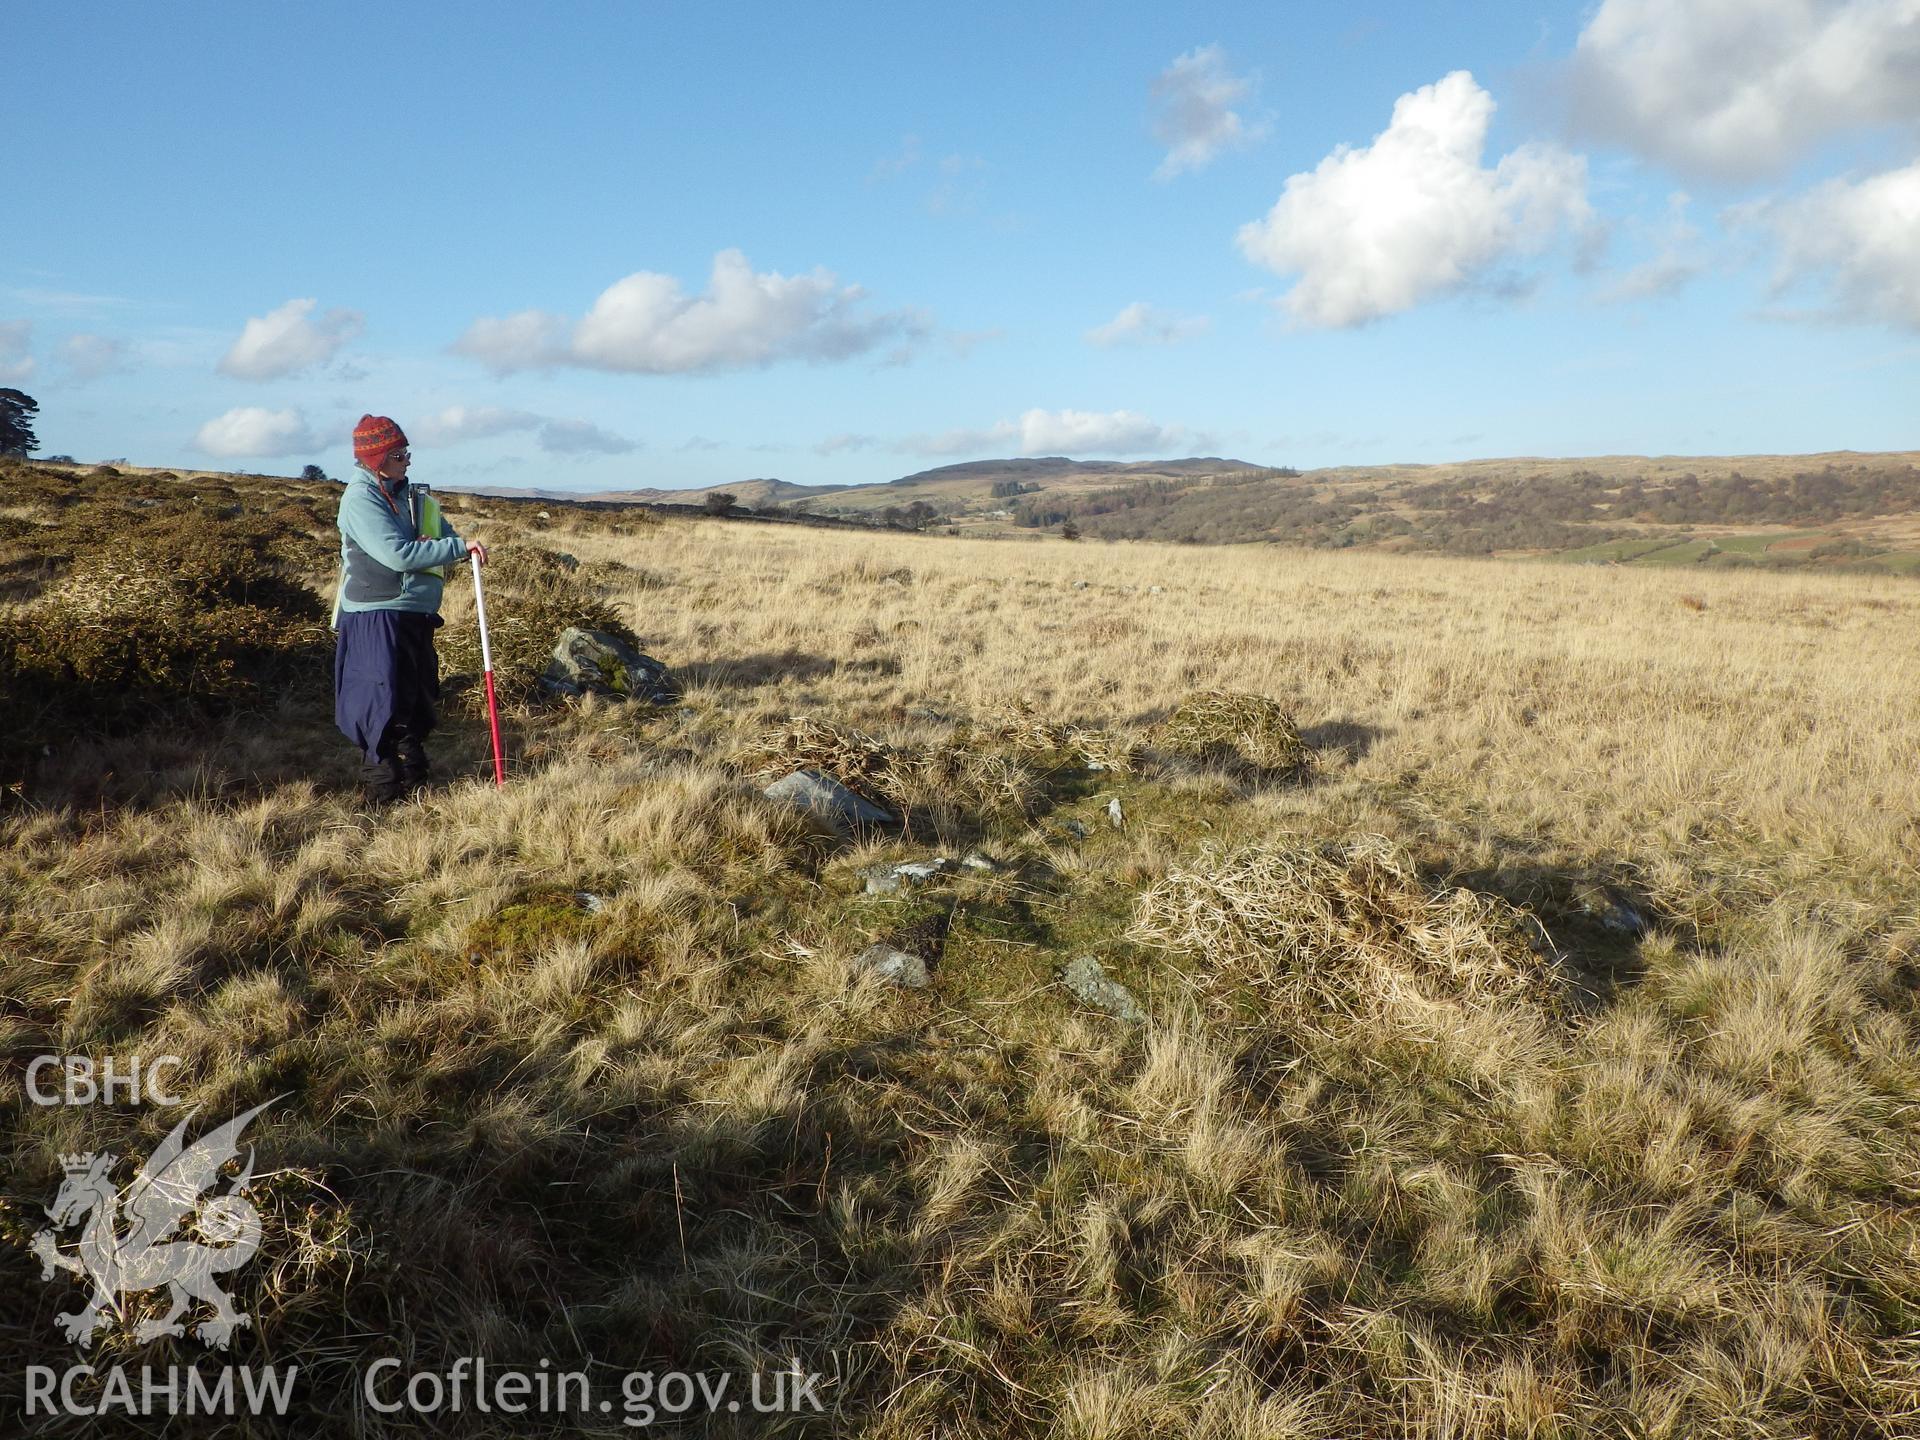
(1018, 724)
(950, 774)
(1249, 730)
(1349, 924)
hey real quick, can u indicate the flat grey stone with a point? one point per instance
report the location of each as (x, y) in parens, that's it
(887, 879)
(593, 662)
(1088, 981)
(977, 861)
(1116, 817)
(827, 798)
(894, 965)
(589, 902)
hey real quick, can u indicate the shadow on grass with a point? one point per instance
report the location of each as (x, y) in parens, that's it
(533, 1222)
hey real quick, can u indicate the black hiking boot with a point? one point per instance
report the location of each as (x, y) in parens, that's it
(416, 771)
(383, 783)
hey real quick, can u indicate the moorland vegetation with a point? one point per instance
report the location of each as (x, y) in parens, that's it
(1529, 956)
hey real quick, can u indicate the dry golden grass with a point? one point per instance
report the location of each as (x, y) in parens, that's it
(1348, 927)
(1420, 1196)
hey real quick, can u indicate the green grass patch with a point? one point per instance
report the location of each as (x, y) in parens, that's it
(1757, 544)
(537, 921)
(1621, 551)
(1688, 552)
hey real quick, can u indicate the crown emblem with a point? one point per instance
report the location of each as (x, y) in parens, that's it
(80, 1163)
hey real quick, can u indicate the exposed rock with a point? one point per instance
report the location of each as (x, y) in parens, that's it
(1156, 589)
(977, 861)
(1116, 817)
(827, 798)
(594, 662)
(889, 879)
(1613, 911)
(1092, 985)
(1077, 829)
(589, 902)
(894, 965)
(1079, 584)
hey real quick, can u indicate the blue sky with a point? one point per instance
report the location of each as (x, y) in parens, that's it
(603, 245)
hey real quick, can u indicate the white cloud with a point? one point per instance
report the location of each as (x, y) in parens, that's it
(1196, 120)
(1860, 239)
(88, 357)
(16, 352)
(526, 340)
(1677, 263)
(840, 444)
(252, 431)
(458, 424)
(578, 437)
(646, 324)
(1057, 432)
(1738, 88)
(1143, 324)
(286, 341)
(1376, 230)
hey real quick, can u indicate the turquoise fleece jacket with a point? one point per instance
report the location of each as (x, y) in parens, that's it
(383, 561)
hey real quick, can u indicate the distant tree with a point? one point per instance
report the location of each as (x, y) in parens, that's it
(920, 514)
(314, 473)
(17, 410)
(720, 502)
(59, 459)
(1069, 531)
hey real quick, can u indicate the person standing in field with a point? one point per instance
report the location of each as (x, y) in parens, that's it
(395, 551)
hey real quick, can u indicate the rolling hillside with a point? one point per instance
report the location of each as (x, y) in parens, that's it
(1841, 509)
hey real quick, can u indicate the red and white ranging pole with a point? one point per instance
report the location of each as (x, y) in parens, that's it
(486, 665)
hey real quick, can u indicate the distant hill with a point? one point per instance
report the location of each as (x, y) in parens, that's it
(1058, 468)
(1842, 508)
(752, 493)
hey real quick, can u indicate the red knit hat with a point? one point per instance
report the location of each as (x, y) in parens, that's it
(373, 438)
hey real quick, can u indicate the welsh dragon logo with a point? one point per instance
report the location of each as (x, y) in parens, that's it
(150, 1253)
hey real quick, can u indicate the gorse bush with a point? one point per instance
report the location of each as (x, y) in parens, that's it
(146, 607)
(532, 595)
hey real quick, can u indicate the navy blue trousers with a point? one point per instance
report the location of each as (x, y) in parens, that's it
(386, 680)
